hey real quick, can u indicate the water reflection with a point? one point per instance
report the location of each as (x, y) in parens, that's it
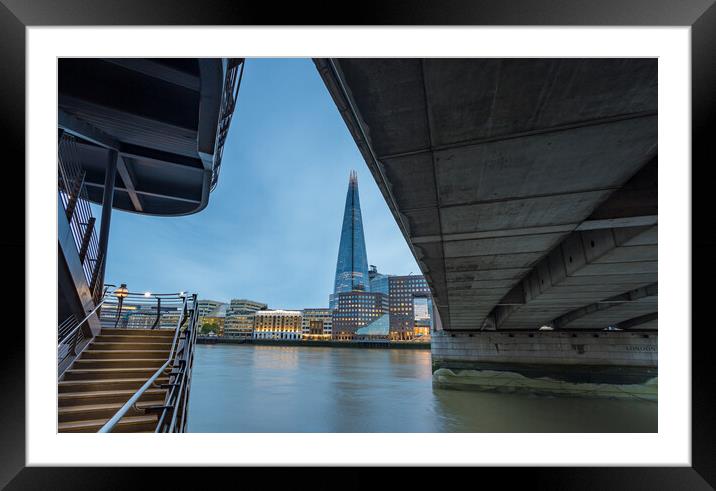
(244, 388)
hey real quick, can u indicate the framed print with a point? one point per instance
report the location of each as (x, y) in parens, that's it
(412, 236)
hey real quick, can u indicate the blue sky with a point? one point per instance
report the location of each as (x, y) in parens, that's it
(271, 230)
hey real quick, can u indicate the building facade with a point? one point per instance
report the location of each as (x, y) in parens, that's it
(355, 310)
(277, 324)
(403, 292)
(215, 318)
(240, 317)
(239, 325)
(317, 324)
(379, 282)
(244, 306)
(206, 306)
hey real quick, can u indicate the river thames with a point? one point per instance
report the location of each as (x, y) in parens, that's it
(247, 388)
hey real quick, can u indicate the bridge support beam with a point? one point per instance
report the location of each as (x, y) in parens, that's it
(611, 311)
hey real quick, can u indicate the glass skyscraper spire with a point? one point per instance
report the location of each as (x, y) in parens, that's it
(352, 267)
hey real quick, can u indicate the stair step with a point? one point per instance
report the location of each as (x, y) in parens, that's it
(128, 424)
(108, 373)
(93, 354)
(119, 363)
(69, 399)
(127, 383)
(126, 338)
(97, 411)
(131, 346)
(139, 332)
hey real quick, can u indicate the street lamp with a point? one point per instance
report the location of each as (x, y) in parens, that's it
(120, 293)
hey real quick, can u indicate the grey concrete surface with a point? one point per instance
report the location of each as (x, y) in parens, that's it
(526, 188)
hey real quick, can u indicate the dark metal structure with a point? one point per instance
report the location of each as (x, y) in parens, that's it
(138, 135)
(161, 122)
(144, 136)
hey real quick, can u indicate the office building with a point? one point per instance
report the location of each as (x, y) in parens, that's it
(239, 320)
(239, 325)
(355, 310)
(317, 324)
(244, 306)
(206, 306)
(403, 292)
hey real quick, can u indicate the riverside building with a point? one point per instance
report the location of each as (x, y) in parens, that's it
(239, 326)
(355, 310)
(244, 306)
(277, 324)
(317, 324)
(403, 292)
(206, 306)
(216, 317)
(240, 317)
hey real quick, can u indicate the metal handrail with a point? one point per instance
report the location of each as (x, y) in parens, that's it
(105, 295)
(109, 426)
(230, 93)
(178, 395)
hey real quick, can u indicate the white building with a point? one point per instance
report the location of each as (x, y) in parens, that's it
(277, 324)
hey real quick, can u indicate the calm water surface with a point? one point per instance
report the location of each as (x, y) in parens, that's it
(245, 388)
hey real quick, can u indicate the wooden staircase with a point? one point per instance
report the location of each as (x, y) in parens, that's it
(106, 374)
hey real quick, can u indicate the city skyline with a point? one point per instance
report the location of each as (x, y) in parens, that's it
(270, 233)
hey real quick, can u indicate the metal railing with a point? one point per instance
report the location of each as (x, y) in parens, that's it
(178, 365)
(232, 82)
(73, 195)
(173, 415)
(142, 311)
(70, 334)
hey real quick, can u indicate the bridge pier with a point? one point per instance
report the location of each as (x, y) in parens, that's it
(591, 363)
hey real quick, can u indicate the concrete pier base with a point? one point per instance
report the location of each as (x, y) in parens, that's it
(599, 364)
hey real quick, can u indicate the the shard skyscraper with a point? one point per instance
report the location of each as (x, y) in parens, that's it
(352, 266)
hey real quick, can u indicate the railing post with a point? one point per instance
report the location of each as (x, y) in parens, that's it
(96, 273)
(159, 312)
(73, 346)
(74, 195)
(86, 239)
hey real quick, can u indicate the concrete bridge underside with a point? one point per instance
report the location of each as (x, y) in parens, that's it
(526, 188)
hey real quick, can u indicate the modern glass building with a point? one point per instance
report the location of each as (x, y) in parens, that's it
(378, 281)
(378, 329)
(352, 265)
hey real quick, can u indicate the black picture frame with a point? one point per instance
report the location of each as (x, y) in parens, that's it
(700, 15)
